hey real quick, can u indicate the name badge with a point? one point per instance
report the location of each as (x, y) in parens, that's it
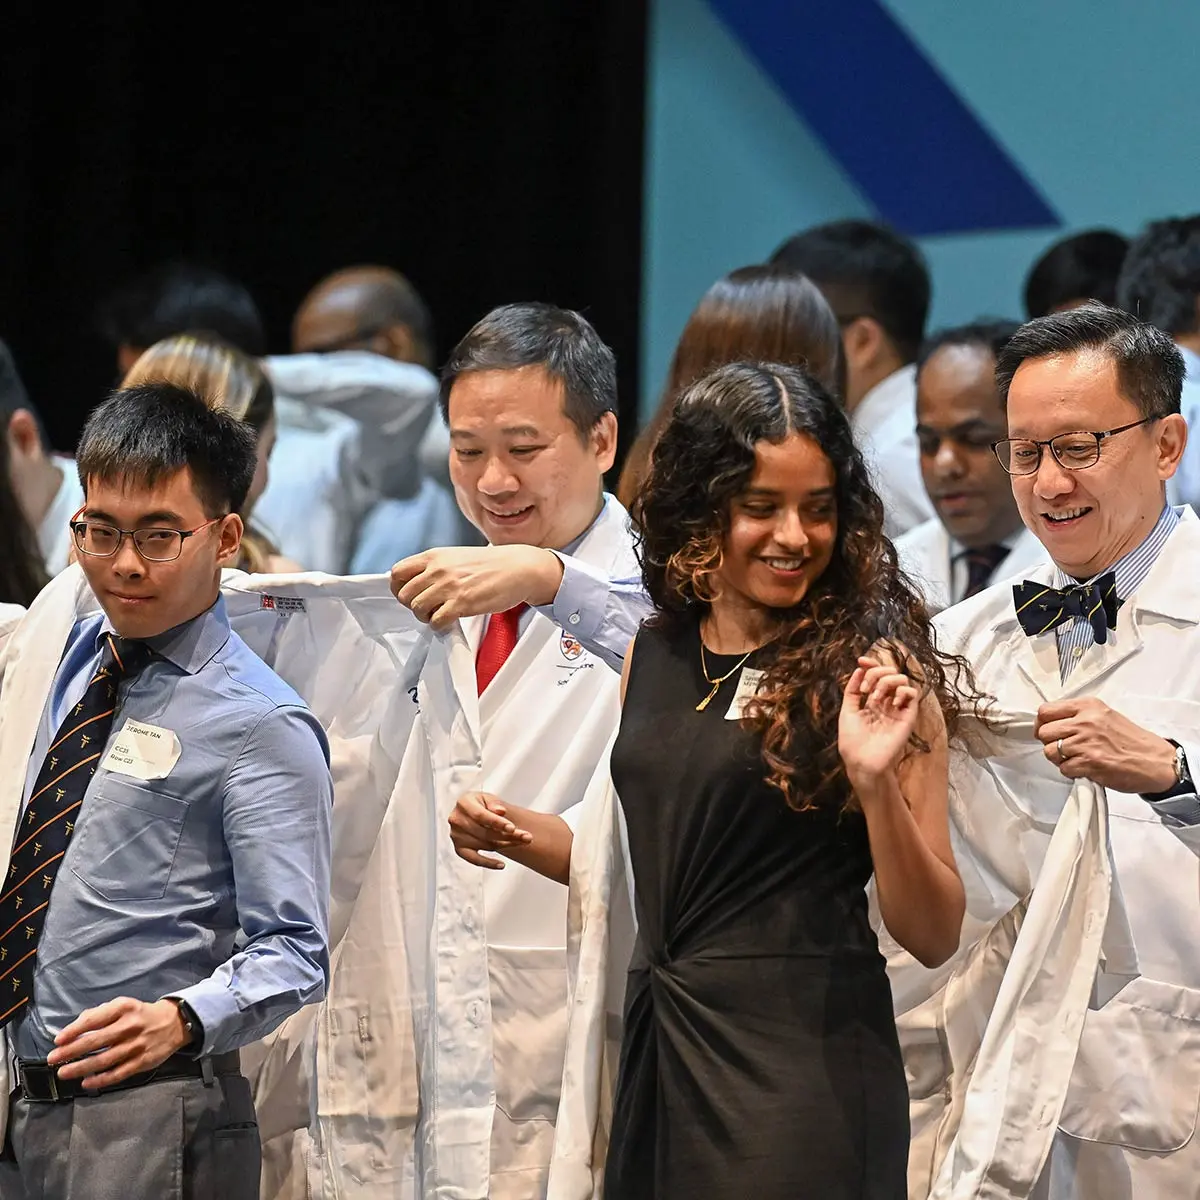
(143, 751)
(747, 689)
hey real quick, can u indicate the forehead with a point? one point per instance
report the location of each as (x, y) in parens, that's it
(524, 396)
(957, 384)
(797, 465)
(1065, 392)
(129, 498)
(331, 312)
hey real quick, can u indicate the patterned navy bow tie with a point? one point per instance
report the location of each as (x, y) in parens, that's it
(1041, 608)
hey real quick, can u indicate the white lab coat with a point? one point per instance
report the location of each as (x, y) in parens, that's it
(396, 404)
(1067, 1027)
(924, 555)
(319, 488)
(54, 533)
(1067, 1031)
(885, 428)
(451, 975)
(344, 644)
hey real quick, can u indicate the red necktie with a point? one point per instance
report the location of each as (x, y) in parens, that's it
(498, 641)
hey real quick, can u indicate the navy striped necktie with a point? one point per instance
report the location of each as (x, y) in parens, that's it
(50, 817)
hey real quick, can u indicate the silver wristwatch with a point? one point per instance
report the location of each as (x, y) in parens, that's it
(1183, 773)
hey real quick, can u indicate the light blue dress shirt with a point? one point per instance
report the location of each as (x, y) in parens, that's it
(211, 884)
(602, 612)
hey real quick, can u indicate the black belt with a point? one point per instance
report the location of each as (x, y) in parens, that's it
(38, 1081)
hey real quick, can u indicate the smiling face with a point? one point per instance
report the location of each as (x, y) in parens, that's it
(522, 472)
(782, 527)
(959, 416)
(143, 599)
(1088, 519)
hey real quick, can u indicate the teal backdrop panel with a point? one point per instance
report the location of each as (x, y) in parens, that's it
(1090, 99)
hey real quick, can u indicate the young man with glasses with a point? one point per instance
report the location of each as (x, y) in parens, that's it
(166, 898)
(1083, 791)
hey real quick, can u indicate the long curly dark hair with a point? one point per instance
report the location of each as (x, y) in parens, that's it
(704, 459)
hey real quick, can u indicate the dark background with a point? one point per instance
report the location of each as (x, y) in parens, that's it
(490, 151)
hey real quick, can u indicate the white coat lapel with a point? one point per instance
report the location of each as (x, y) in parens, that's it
(34, 654)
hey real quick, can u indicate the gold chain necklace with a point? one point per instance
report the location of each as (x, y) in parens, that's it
(716, 683)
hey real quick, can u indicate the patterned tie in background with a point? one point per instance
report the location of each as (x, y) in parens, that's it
(499, 638)
(982, 562)
(50, 818)
(1041, 608)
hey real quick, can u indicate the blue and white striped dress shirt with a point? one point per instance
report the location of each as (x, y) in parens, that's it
(1076, 636)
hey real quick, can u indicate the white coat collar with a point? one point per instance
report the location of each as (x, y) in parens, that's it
(1171, 591)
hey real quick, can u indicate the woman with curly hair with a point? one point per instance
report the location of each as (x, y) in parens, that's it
(783, 737)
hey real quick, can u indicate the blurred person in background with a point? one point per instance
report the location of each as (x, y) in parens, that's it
(363, 345)
(977, 536)
(878, 286)
(234, 382)
(45, 484)
(319, 491)
(22, 574)
(1160, 284)
(1075, 269)
(770, 313)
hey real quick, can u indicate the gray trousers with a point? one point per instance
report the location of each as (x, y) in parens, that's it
(169, 1140)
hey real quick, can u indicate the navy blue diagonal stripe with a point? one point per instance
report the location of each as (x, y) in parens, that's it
(916, 151)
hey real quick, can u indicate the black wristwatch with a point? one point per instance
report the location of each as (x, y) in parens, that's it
(1183, 777)
(191, 1026)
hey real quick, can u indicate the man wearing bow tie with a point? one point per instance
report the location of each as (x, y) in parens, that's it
(1096, 656)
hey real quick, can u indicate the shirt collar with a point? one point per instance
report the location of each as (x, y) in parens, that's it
(1131, 569)
(957, 549)
(189, 646)
(571, 547)
(898, 388)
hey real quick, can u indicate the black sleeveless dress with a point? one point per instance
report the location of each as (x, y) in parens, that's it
(760, 1057)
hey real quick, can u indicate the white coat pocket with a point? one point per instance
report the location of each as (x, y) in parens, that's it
(1135, 1082)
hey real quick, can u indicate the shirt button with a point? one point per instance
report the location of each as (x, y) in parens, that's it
(1077, 652)
(573, 619)
(475, 1013)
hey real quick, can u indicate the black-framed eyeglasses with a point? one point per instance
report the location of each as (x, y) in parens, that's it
(1072, 451)
(98, 539)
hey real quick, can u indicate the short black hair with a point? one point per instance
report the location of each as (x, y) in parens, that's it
(556, 339)
(182, 298)
(148, 432)
(1160, 282)
(989, 333)
(1083, 266)
(866, 270)
(1150, 369)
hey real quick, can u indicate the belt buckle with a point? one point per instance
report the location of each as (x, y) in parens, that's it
(30, 1080)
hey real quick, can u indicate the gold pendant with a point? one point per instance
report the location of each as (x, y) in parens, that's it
(708, 699)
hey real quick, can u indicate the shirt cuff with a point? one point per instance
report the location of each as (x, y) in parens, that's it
(1180, 805)
(582, 596)
(214, 1006)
